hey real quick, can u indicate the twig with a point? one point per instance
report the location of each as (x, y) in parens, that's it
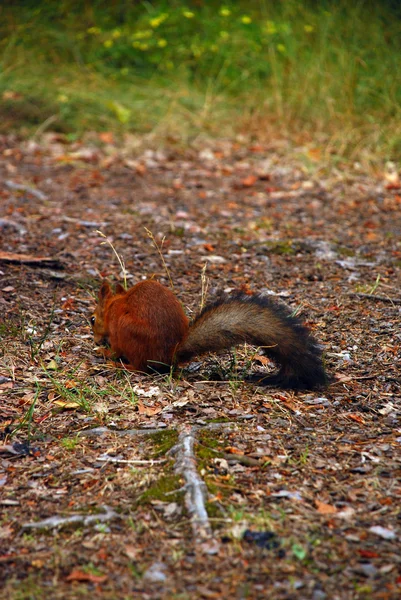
(134, 461)
(376, 298)
(119, 258)
(20, 187)
(105, 430)
(53, 522)
(27, 259)
(43, 126)
(195, 487)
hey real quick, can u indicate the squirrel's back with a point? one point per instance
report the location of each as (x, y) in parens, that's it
(143, 325)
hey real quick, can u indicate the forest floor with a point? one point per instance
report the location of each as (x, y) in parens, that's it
(304, 489)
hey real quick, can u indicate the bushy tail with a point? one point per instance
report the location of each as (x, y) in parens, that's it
(236, 319)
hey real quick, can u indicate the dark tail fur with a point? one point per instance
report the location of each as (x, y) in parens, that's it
(236, 319)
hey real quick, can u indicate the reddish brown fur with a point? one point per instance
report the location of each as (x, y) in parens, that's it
(142, 326)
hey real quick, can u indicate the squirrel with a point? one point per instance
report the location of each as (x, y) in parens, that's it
(147, 328)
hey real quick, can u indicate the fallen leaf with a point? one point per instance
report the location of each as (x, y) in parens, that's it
(325, 509)
(149, 411)
(249, 181)
(70, 404)
(367, 553)
(106, 137)
(233, 450)
(78, 575)
(7, 385)
(356, 418)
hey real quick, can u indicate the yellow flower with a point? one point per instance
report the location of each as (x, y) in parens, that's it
(281, 48)
(188, 14)
(94, 30)
(116, 34)
(156, 21)
(108, 43)
(140, 45)
(308, 28)
(143, 35)
(62, 98)
(162, 43)
(225, 12)
(246, 20)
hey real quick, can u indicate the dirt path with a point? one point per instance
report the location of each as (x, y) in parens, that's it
(303, 489)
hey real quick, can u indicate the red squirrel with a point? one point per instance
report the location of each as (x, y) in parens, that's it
(148, 329)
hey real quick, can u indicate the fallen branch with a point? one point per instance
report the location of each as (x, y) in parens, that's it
(376, 298)
(115, 459)
(20, 187)
(120, 432)
(28, 259)
(53, 522)
(195, 487)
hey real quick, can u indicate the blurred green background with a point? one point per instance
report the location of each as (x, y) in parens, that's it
(326, 73)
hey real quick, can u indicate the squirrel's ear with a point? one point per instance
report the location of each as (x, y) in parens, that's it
(120, 289)
(105, 291)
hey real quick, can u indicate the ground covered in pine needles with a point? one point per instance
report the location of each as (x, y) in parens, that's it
(302, 489)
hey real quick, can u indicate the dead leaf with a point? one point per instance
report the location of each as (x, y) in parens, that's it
(78, 575)
(325, 509)
(356, 418)
(149, 411)
(249, 181)
(69, 404)
(7, 385)
(106, 137)
(233, 450)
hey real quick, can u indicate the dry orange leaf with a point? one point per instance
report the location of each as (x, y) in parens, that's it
(233, 450)
(249, 181)
(149, 411)
(325, 509)
(356, 418)
(106, 137)
(71, 384)
(263, 360)
(78, 575)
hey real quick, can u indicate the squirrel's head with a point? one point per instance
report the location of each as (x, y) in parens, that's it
(98, 319)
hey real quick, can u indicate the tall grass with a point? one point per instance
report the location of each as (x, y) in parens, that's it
(320, 71)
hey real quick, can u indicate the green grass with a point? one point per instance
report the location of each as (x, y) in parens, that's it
(325, 72)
